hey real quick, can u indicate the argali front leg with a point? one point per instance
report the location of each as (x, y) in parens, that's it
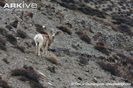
(46, 48)
(36, 48)
(43, 49)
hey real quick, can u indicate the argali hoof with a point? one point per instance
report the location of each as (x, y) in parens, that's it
(38, 54)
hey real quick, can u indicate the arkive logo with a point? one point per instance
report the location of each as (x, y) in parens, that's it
(22, 5)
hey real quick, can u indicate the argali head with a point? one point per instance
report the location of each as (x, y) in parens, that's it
(54, 33)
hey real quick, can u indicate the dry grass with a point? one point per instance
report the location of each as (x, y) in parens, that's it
(11, 38)
(5, 60)
(97, 35)
(52, 69)
(119, 65)
(100, 46)
(3, 43)
(3, 31)
(21, 34)
(107, 22)
(112, 68)
(83, 35)
(20, 48)
(68, 24)
(83, 60)
(9, 27)
(4, 84)
(53, 58)
(123, 20)
(125, 29)
(14, 24)
(28, 73)
(117, 69)
(65, 29)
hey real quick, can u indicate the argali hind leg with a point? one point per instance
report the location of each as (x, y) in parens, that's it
(36, 50)
(39, 48)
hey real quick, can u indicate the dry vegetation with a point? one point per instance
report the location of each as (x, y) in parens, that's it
(100, 46)
(21, 34)
(28, 73)
(118, 65)
(53, 58)
(3, 43)
(65, 29)
(4, 84)
(84, 36)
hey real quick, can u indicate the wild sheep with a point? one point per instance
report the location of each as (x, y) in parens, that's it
(43, 41)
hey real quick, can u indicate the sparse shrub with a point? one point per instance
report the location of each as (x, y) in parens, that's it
(73, 5)
(21, 34)
(52, 58)
(100, 46)
(130, 60)
(69, 24)
(5, 60)
(68, 4)
(122, 66)
(3, 43)
(125, 29)
(84, 36)
(21, 48)
(76, 46)
(97, 35)
(9, 27)
(65, 29)
(123, 20)
(90, 11)
(28, 73)
(114, 27)
(52, 69)
(3, 31)
(11, 39)
(53, 0)
(4, 84)
(112, 68)
(14, 23)
(83, 60)
(50, 18)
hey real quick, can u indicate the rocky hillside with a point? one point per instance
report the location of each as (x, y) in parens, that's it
(95, 44)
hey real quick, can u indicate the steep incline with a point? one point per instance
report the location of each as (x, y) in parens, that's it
(95, 46)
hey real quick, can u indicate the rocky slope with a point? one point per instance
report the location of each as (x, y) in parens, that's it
(95, 46)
